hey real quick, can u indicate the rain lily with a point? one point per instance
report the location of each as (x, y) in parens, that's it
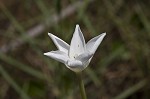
(77, 55)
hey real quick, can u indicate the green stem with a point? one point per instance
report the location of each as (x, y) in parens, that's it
(81, 85)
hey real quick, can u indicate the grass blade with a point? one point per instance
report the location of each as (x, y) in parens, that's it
(13, 83)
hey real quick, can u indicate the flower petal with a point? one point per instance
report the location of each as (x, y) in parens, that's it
(58, 55)
(60, 44)
(84, 57)
(75, 65)
(93, 44)
(77, 45)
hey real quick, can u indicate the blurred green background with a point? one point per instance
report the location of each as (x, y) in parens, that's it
(120, 69)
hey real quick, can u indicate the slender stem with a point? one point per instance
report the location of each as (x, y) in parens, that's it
(81, 85)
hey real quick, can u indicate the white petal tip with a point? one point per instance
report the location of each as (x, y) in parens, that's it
(46, 54)
(77, 26)
(104, 33)
(50, 34)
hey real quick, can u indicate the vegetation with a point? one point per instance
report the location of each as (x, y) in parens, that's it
(120, 69)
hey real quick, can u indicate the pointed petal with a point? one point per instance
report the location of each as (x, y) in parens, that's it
(60, 44)
(77, 45)
(58, 55)
(85, 57)
(93, 44)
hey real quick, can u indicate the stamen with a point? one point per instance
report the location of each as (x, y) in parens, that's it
(75, 55)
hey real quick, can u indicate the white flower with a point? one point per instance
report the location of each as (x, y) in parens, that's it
(77, 55)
